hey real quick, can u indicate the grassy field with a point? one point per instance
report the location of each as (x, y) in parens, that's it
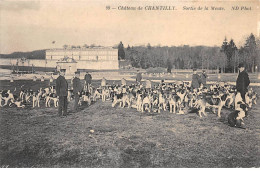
(123, 137)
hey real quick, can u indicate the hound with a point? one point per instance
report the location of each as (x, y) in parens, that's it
(6, 96)
(51, 97)
(17, 102)
(22, 95)
(251, 97)
(53, 89)
(36, 98)
(139, 102)
(104, 94)
(162, 102)
(235, 118)
(70, 95)
(201, 104)
(155, 104)
(122, 99)
(28, 95)
(238, 100)
(218, 102)
(97, 94)
(231, 98)
(173, 103)
(84, 97)
(146, 104)
(117, 99)
(248, 99)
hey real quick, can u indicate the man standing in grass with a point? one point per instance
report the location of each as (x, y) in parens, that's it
(195, 83)
(62, 93)
(77, 88)
(88, 79)
(138, 77)
(204, 78)
(243, 81)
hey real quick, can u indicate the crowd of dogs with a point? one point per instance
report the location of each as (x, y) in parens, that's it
(178, 98)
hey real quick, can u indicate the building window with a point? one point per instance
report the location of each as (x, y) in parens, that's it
(51, 57)
(97, 58)
(79, 57)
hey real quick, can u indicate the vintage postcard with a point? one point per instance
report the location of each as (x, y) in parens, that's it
(129, 83)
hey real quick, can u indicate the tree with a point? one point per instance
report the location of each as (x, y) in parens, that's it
(220, 60)
(183, 57)
(258, 54)
(178, 63)
(203, 57)
(224, 47)
(121, 51)
(195, 65)
(251, 50)
(143, 63)
(181, 64)
(229, 50)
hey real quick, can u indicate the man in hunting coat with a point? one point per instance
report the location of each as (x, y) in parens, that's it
(195, 83)
(88, 79)
(62, 93)
(243, 81)
(77, 88)
(138, 77)
(204, 78)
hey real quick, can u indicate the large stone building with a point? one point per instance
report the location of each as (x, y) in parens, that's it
(86, 58)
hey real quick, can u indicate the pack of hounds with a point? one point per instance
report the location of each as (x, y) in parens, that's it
(177, 98)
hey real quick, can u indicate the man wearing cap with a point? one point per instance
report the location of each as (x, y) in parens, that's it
(138, 77)
(62, 93)
(88, 79)
(243, 81)
(195, 83)
(204, 77)
(77, 88)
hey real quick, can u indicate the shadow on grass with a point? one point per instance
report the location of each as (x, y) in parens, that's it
(30, 155)
(40, 154)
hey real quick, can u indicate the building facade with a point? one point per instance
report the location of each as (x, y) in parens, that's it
(86, 58)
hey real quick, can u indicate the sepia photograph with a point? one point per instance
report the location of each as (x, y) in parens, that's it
(129, 84)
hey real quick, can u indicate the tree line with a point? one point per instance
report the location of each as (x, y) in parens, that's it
(225, 57)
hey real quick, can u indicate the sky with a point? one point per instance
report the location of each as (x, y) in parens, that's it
(33, 25)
